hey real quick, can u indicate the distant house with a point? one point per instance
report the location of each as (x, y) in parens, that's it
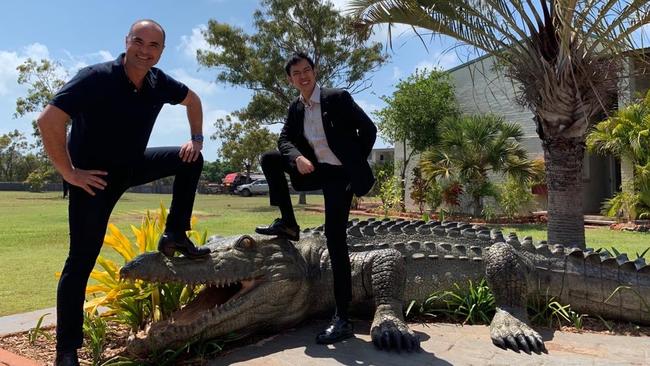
(379, 156)
(479, 89)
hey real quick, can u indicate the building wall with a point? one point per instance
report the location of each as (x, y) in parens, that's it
(381, 155)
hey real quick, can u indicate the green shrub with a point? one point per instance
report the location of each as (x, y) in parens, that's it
(513, 197)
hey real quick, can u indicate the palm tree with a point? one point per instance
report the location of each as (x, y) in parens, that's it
(470, 148)
(566, 56)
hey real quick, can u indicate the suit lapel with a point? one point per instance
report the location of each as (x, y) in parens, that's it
(328, 123)
(300, 117)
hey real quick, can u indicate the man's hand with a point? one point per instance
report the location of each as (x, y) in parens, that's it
(86, 179)
(190, 151)
(304, 165)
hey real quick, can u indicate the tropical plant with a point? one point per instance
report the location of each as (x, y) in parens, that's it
(564, 55)
(473, 304)
(626, 135)
(95, 328)
(135, 303)
(419, 188)
(469, 148)
(626, 204)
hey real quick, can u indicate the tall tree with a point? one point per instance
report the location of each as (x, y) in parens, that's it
(16, 162)
(215, 171)
(412, 113)
(282, 27)
(566, 56)
(43, 80)
(242, 143)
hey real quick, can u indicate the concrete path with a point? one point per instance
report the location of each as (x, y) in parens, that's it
(26, 321)
(443, 344)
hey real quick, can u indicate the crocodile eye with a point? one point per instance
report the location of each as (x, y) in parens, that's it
(245, 242)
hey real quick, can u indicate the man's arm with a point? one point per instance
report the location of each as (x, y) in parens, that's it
(51, 123)
(288, 149)
(366, 129)
(190, 150)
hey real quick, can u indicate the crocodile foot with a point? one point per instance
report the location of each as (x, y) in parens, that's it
(389, 332)
(513, 332)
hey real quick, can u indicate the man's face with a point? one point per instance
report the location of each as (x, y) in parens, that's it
(303, 77)
(144, 46)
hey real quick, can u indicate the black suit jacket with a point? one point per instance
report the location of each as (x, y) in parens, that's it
(350, 135)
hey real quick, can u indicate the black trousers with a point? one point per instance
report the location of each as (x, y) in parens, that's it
(88, 219)
(335, 183)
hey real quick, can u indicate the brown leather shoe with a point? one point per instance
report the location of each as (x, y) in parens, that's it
(171, 242)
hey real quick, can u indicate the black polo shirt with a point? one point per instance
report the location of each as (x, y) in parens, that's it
(111, 119)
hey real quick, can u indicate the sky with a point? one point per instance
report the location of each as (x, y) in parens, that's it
(78, 33)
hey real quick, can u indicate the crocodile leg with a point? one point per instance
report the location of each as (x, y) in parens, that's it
(506, 274)
(388, 276)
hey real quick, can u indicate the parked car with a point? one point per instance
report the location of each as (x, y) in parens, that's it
(259, 186)
(213, 188)
(232, 180)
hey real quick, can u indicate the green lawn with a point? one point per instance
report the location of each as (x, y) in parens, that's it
(34, 235)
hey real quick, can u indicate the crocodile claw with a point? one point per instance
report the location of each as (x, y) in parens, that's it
(388, 332)
(508, 331)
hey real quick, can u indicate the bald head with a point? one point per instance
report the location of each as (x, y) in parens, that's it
(146, 23)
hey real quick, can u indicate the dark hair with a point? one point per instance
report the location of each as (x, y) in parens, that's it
(294, 59)
(148, 21)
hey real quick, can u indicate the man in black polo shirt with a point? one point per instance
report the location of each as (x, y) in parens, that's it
(113, 107)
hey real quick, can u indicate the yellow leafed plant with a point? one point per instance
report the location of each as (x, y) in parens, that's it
(135, 303)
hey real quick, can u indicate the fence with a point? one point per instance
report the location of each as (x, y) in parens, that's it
(58, 187)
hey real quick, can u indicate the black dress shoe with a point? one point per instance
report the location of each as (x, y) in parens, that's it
(170, 243)
(66, 358)
(279, 228)
(338, 330)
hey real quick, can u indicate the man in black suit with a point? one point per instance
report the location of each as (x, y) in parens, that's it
(324, 144)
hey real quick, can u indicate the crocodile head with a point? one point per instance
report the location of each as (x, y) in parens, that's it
(250, 283)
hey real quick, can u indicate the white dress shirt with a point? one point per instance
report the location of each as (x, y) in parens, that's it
(314, 131)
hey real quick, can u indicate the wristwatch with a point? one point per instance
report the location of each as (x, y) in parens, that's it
(197, 138)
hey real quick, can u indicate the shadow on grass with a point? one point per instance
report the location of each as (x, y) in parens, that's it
(522, 227)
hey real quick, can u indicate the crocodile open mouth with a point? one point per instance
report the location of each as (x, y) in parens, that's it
(216, 298)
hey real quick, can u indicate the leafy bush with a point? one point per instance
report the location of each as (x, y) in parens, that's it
(434, 195)
(626, 204)
(513, 197)
(389, 193)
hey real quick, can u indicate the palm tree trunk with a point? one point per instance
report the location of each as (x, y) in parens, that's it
(564, 163)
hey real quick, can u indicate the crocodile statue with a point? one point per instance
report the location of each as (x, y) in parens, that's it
(260, 284)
